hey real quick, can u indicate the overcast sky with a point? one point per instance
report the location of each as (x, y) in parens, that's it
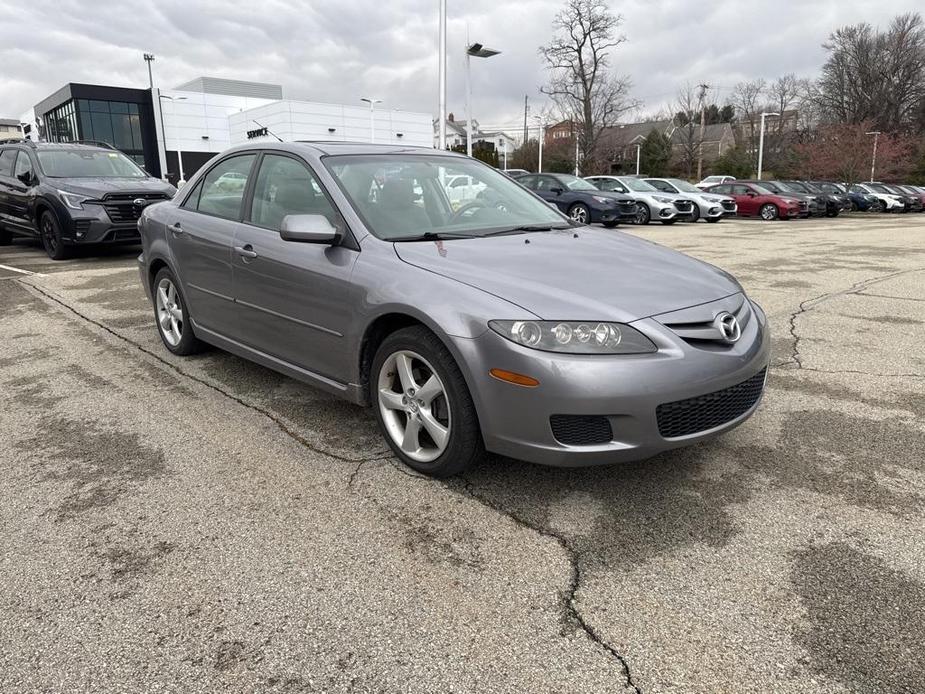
(339, 51)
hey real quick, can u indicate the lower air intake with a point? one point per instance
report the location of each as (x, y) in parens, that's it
(580, 430)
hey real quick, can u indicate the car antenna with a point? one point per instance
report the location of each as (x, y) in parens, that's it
(270, 132)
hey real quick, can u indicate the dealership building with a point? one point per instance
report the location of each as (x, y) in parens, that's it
(173, 132)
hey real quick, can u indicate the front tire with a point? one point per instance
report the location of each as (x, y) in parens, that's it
(695, 213)
(713, 220)
(423, 405)
(6, 237)
(769, 212)
(609, 225)
(580, 213)
(668, 222)
(50, 231)
(172, 315)
(643, 215)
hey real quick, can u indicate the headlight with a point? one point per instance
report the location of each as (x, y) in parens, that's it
(603, 201)
(664, 201)
(72, 200)
(574, 337)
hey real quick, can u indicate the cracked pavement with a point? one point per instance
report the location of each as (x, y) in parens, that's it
(204, 524)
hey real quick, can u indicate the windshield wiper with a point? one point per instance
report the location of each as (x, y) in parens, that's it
(526, 228)
(434, 236)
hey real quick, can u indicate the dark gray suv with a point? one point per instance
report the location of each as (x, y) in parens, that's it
(489, 322)
(72, 194)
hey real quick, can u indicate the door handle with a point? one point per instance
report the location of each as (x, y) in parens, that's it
(246, 251)
(175, 229)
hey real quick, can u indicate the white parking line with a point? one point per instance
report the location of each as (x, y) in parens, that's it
(23, 272)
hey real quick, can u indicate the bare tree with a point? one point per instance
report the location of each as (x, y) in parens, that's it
(581, 82)
(873, 75)
(748, 99)
(686, 127)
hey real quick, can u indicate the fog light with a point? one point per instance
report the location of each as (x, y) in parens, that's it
(515, 378)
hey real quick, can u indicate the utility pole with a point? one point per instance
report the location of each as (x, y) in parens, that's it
(526, 109)
(703, 123)
(873, 161)
(441, 69)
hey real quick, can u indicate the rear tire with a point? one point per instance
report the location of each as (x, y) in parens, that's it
(171, 315)
(408, 363)
(50, 233)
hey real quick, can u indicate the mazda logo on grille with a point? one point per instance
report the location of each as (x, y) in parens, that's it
(139, 202)
(728, 327)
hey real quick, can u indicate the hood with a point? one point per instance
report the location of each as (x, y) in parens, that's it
(712, 197)
(575, 274)
(98, 187)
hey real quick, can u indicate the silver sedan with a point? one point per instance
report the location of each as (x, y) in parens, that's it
(708, 206)
(496, 324)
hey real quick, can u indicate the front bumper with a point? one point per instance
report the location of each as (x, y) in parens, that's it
(92, 225)
(626, 390)
(617, 213)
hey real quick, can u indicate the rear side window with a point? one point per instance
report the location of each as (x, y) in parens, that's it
(6, 162)
(223, 187)
(23, 165)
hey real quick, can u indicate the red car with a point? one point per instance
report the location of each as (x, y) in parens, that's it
(755, 200)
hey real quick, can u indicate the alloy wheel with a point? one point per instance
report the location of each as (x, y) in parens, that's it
(768, 212)
(169, 312)
(414, 406)
(579, 214)
(642, 215)
(48, 236)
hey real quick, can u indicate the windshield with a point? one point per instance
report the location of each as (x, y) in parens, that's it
(762, 189)
(88, 163)
(575, 183)
(684, 186)
(638, 185)
(410, 197)
(774, 186)
(832, 187)
(876, 187)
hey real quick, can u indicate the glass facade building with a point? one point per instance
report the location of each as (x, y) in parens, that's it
(117, 116)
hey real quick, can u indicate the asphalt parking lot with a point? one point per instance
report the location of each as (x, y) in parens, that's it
(206, 525)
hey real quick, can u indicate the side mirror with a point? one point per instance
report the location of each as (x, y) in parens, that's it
(751, 193)
(308, 228)
(557, 191)
(27, 178)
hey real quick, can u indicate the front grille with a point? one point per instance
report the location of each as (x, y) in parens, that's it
(580, 430)
(704, 412)
(684, 205)
(122, 209)
(803, 205)
(729, 205)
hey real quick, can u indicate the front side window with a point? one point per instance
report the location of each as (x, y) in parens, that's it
(663, 186)
(285, 186)
(610, 184)
(684, 187)
(575, 183)
(223, 187)
(88, 163)
(404, 196)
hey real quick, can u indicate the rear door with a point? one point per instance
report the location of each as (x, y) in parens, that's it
(201, 236)
(294, 299)
(21, 192)
(7, 157)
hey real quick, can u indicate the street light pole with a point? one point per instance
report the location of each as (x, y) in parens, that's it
(474, 50)
(638, 156)
(539, 163)
(761, 142)
(441, 69)
(372, 122)
(873, 161)
(149, 58)
(163, 153)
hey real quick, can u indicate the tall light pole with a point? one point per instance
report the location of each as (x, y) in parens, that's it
(761, 142)
(149, 58)
(873, 161)
(473, 50)
(441, 69)
(638, 156)
(372, 122)
(539, 163)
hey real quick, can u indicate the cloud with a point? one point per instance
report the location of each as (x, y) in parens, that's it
(340, 51)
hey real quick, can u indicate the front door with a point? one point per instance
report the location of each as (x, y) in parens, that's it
(294, 299)
(201, 237)
(21, 191)
(747, 203)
